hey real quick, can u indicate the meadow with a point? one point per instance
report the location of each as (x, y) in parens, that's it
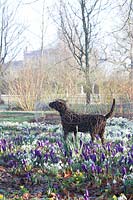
(36, 163)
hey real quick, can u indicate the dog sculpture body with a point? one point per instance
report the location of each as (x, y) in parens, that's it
(73, 122)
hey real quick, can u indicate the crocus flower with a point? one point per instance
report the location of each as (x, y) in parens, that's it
(12, 163)
(1, 196)
(70, 153)
(125, 160)
(40, 143)
(81, 142)
(38, 153)
(93, 157)
(84, 155)
(4, 141)
(4, 147)
(24, 162)
(124, 171)
(84, 168)
(28, 175)
(132, 154)
(128, 136)
(70, 161)
(76, 151)
(102, 157)
(59, 144)
(108, 147)
(10, 146)
(46, 157)
(122, 197)
(130, 161)
(93, 168)
(120, 161)
(119, 148)
(86, 195)
(65, 153)
(98, 169)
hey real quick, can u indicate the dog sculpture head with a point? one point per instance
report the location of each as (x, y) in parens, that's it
(59, 105)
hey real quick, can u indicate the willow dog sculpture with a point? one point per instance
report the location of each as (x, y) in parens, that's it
(73, 122)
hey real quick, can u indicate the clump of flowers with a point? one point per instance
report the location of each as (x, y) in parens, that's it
(38, 153)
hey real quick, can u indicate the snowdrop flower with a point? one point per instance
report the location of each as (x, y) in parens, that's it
(114, 181)
(122, 197)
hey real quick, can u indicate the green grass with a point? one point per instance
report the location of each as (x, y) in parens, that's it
(103, 109)
(20, 116)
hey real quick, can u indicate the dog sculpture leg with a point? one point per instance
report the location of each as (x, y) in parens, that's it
(92, 137)
(65, 135)
(75, 136)
(102, 136)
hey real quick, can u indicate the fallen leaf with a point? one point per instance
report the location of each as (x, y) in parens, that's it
(26, 196)
(2, 169)
(68, 174)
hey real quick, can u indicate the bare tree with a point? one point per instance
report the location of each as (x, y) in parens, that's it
(28, 87)
(122, 48)
(10, 32)
(10, 35)
(80, 26)
(126, 7)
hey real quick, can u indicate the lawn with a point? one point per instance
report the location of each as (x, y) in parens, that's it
(35, 163)
(22, 116)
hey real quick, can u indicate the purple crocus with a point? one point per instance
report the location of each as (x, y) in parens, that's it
(132, 154)
(28, 175)
(4, 141)
(65, 153)
(102, 158)
(40, 143)
(46, 157)
(108, 146)
(59, 144)
(124, 171)
(86, 195)
(81, 142)
(85, 156)
(107, 168)
(93, 157)
(24, 162)
(84, 168)
(125, 160)
(70, 161)
(70, 153)
(12, 163)
(119, 148)
(98, 169)
(38, 153)
(10, 146)
(93, 168)
(4, 147)
(76, 151)
(130, 161)
(128, 136)
(121, 160)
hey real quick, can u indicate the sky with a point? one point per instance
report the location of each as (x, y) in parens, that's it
(30, 14)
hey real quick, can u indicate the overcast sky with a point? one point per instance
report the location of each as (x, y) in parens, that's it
(32, 18)
(30, 14)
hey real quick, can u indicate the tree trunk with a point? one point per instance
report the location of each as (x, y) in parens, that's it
(88, 97)
(88, 88)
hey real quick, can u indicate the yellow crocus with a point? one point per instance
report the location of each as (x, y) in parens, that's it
(1, 196)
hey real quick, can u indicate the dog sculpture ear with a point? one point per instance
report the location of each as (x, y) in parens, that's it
(61, 105)
(62, 101)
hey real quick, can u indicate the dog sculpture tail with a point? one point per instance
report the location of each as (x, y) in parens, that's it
(111, 110)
